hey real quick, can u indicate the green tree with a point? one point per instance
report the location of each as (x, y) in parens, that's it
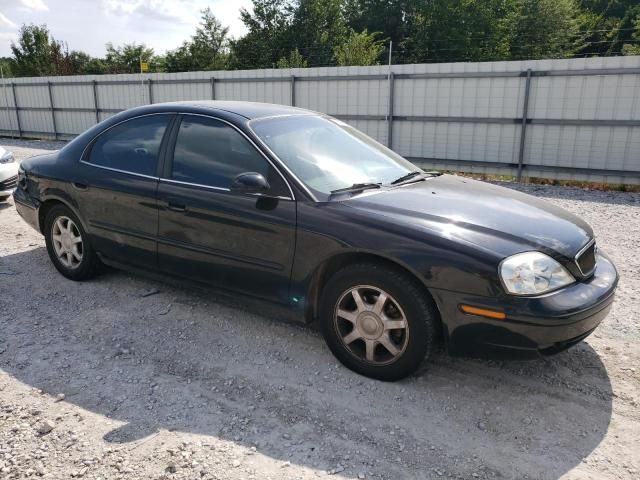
(6, 63)
(276, 28)
(359, 49)
(294, 60)
(394, 19)
(180, 59)
(36, 53)
(207, 50)
(608, 26)
(210, 45)
(126, 58)
(84, 64)
(633, 48)
(318, 26)
(545, 29)
(269, 34)
(300, 33)
(78, 61)
(458, 30)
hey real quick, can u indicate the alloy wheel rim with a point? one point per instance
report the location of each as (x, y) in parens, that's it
(67, 242)
(371, 325)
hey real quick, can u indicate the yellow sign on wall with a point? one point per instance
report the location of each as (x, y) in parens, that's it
(144, 67)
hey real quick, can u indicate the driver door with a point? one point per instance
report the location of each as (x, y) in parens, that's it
(233, 240)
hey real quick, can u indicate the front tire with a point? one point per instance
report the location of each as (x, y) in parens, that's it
(68, 245)
(378, 321)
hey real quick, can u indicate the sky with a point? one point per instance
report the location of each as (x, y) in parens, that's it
(88, 25)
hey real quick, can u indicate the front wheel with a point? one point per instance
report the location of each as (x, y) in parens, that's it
(68, 245)
(378, 321)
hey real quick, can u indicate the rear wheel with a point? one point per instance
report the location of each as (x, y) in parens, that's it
(68, 245)
(377, 321)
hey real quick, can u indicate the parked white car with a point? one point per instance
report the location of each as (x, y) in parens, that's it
(8, 174)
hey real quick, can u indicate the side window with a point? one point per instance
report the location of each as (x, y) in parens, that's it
(132, 146)
(210, 152)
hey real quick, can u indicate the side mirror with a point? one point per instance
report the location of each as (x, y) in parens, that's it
(250, 182)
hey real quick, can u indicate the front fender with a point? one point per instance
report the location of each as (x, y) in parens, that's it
(327, 231)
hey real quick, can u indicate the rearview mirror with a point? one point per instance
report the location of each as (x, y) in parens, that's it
(250, 182)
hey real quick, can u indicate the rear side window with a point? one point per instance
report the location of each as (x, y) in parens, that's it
(210, 152)
(132, 146)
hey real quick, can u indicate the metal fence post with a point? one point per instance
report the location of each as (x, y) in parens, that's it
(523, 129)
(15, 103)
(213, 87)
(53, 113)
(293, 91)
(6, 108)
(95, 101)
(390, 112)
(150, 91)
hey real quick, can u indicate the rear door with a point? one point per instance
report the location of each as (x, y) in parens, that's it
(242, 242)
(117, 193)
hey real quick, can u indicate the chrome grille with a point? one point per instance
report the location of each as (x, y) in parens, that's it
(586, 259)
(9, 183)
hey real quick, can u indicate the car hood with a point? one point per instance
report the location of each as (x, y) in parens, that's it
(495, 218)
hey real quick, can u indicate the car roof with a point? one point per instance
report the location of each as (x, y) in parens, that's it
(249, 110)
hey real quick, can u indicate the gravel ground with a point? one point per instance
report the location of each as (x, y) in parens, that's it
(125, 377)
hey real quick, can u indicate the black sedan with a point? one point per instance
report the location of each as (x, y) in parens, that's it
(298, 208)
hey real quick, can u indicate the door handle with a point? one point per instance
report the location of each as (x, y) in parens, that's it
(176, 207)
(79, 186)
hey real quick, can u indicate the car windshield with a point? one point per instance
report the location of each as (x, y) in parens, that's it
(328, 155)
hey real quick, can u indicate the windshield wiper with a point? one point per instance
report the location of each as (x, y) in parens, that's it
(356, 187)
(406, 177)
(414, 174)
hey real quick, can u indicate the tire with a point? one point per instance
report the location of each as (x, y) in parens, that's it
(83, 263)
(367, 342)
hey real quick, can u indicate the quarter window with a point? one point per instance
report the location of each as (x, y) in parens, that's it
(210, 152)
(132, 146)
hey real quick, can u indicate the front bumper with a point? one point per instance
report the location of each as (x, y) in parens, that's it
(533, 326)
(8, 178)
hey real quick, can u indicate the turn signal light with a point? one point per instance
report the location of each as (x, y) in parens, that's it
(483, 312)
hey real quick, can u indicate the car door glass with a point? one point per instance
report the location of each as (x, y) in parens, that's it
(210, 152)
(132, 146)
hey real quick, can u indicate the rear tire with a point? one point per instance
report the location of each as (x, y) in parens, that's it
(378, 321)
(68, 245)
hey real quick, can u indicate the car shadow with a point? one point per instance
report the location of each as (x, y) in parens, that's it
(153, 357)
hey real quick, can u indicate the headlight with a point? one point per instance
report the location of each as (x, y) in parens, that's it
(7, 158)
(533, 273)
